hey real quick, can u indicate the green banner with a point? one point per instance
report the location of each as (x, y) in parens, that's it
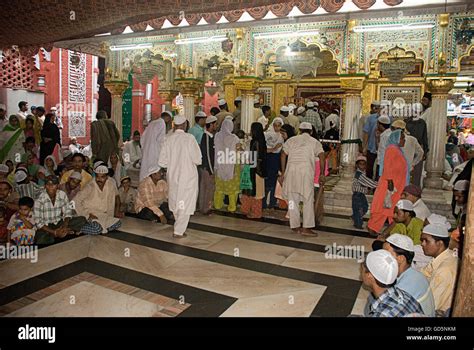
(127, 110)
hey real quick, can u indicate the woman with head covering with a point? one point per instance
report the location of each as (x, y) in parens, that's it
(49, 169)
(49, 137)
(274, 142)
(395, 175)
(252, 199)
(227, 171)
(11, 140)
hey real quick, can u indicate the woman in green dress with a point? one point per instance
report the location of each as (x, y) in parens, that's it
(11, 141)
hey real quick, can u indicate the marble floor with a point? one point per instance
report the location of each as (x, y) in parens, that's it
(228, 266)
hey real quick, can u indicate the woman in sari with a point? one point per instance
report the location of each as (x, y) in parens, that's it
(11, 140)
(49, 137)
(395, 175)
(274, 142)
(252, 199)
(227, 172)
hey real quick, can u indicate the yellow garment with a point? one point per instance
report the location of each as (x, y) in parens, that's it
(441, 273)
(86, 177)
(412, 230)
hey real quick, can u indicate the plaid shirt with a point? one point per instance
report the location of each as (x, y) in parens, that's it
(46, 213)
(311, 116)
(361, 183)
(394, 302)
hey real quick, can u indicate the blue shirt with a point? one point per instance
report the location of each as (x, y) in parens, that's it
(370, 127)
(416, 284)
(197, 131)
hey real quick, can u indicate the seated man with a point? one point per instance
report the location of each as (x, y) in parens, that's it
(78, 163)
(74, 146)
(411, 281)
(379, 273)
(413, 194)
(152, 198)
(53, 214)
(72, 186)
(24, 186)
(132, 155)
(443, 269)
(99, 201)
(405, 222)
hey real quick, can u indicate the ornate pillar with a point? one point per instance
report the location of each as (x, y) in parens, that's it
(439, 87)
(116, 88)
(168, 97)
(353, 86)
(189, 88)
(247, 85)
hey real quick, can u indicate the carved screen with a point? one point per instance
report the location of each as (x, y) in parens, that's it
(409, 94)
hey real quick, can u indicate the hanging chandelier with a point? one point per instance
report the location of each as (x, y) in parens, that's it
(299, 60)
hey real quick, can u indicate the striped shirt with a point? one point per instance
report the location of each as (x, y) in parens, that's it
(29, 190)
(361, 183)
(45, 212)
(313, 117)
(394, 302)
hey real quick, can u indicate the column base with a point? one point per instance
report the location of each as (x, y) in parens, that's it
(434, 181)
(344, 185)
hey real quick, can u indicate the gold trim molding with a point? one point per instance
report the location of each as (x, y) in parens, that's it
(116, 87)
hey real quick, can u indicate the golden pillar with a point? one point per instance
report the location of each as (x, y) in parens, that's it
(116, 88)
(189, 88)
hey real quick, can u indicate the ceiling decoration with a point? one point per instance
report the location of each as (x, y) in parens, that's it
(78, 19)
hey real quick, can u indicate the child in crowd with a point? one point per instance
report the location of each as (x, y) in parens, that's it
(127, 195)
(22, 224)
(360, 187)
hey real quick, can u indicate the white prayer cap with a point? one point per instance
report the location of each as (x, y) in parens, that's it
(310, 104)
(453, 130)
(405, 204)
(300, 110)
(179, 119)
(2, 106)
(4, 168)
(401, 241)
(211, 119)
(256, 100)
(383, 266)
(77, 175)
(201, 114)
(316, 104)
(375, 103)
(101, 169)
(221, 102)
(20, 176)
(291, 106)
(41, 169)
(436, 230)
(153, 169)
(229, 117)
(284, 109)
(54, 109)
(169, 113)
(384, 119)
(96, 164)
(238, 99)
(439, 220)
(461, 185)
(306, 126)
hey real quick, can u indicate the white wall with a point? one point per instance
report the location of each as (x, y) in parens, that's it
(10, 98)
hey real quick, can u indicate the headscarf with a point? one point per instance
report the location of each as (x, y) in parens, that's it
(118, 170)
(55, 165)
(9, 126)
(272, 137)
(11, 139)
(394, 140)
(224, 142)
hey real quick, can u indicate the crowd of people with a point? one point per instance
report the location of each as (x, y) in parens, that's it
(48, 192)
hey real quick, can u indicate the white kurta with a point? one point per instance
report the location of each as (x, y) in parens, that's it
(181, 155)
(151, 141)
(131, 153)
(302, 151)
(101, 203)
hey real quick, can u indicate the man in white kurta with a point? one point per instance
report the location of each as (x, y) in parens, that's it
(152, 140)
(181, 155)
(99, 201)
(298, 178)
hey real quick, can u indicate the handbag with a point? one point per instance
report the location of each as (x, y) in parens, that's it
(387, 202)
(245, 180)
